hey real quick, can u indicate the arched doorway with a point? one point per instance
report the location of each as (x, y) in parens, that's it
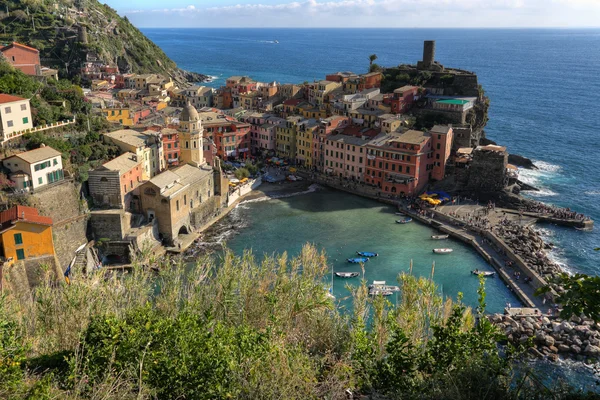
(184, 230)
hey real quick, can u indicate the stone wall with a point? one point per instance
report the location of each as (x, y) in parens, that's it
(109, 224)
(205, 212)
(22, 276)
(487, 171)
(69, 216)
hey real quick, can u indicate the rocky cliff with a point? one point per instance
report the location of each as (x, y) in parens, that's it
(68, 31)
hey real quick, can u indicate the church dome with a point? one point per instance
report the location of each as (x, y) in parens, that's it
(189, 113)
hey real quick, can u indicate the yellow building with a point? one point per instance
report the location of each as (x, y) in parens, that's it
(25, 234)
(304, 142)
(122, 115)
(146, 146)
(285, 138)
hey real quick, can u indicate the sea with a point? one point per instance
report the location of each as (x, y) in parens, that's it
(543, 86)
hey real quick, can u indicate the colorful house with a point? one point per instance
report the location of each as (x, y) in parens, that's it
(33, 169)
(24, 234)
(112, 184)
(304, 142)
(24, 58)
(15, 116)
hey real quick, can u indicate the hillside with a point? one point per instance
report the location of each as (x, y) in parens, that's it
(65, 31)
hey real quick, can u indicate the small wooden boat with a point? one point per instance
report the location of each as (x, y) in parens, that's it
(357, 260)
(380, 285)
(442, 251)
(484, 273)
(404, 221)
(440, 237)
(347, 274)
(399, 213)
(380, 292)
(366, 254)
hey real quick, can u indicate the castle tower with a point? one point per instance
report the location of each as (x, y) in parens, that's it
(190, 137)
(428, 53)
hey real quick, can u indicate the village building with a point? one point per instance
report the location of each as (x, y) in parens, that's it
(199, 96)
(403, 99)
(146, 146)
(191, 137)
(305, 137)
(34, 169)
(27, 60)
(171, 149)
(24, 234)
(127, 116)
(15, 117)
(113, 183)
(171, 197)
(345, 156)
(285, 137)
(230, 137)
(318, 90)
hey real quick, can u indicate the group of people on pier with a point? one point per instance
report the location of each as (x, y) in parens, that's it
(557, 212)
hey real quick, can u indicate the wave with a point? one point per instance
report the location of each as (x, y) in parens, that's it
(538, 178)
(592, 192)
(312, 188)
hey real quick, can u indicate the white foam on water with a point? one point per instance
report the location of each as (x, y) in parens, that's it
(592, 192)
(536, 178)
(312, 188)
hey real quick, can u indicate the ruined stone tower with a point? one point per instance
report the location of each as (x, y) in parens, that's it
(428, 53)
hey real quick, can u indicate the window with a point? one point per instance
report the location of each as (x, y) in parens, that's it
(41, 180)
(23, 107)
(18, 238)
(124, 188)
(168, 145)
(177, 205)
(20, 254)
(7, 110)
(408, 170)
(9, 123)
(56, 161)
(184, 199)
(25, 120)
(437, 146)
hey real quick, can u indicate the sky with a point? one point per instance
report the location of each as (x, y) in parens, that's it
(360, 13)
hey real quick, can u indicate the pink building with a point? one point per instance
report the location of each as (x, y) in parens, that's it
(442, 137)
(345, 156)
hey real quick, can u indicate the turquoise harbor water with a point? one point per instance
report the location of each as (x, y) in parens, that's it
(542, 83)
(343, 224)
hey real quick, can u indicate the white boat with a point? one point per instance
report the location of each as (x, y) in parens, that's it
(440, 237)
(347, 274)
(484, 273)
(442, 251)
(380, 285)
(276, 41)
(380, 292)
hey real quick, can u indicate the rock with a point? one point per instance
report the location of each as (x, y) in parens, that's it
(535, 352)
(523, 339)
(575, 319)
(555, 326)
(496, 318)
(540, 337)
(563, 348)
(592, 350)
(577, 342)
(575, 349)
(553, 349)
(566, 327)
(527, 325)
(553, 357)
(581, 329)
(545, 321)
(549, 341)
(594, 341)
(511, 321)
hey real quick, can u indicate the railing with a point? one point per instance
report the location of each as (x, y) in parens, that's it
(58, 124)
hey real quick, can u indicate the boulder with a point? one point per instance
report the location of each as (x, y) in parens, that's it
(527, 325)
(575, 349)
(563, 348)
(540, 337)
(553, 357)
(576, 341)
(555, 326)
(592, 350)
(549, 340)
(535, 352)
(566, 327)
(553, 349)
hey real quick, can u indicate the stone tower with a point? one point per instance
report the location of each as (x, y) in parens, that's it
(428, 53)
(190, 137)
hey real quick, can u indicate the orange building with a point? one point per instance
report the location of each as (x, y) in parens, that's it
(25, 234)
(24, 58)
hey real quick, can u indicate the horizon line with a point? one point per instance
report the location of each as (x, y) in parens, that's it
(373, 28)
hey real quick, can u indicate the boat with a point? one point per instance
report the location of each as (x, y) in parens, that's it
(399, 213)
(442, 251)
(347, 274)
(440, 237)
(366, 254)
(358, 260)
(380, 292)
(404, 221)
(484, 273)
(276, 41)
(380, 285)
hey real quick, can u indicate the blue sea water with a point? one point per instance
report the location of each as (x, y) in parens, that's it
(543, 84)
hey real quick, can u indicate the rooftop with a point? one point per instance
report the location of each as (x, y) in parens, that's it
(348, 139)
(440, 129)
(172, 181)
(23, 214)
(123, 163)
(128, 136)
(22, 46)
(405, 88)
(7, 98)
(41, 154)
(412, 137)
(453, 101)
(491, 147)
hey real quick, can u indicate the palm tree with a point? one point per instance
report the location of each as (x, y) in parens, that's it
(372, 59)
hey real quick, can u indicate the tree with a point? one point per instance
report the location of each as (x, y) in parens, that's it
(581, 295)
(374, 68)
(242, 173)
(372, 59)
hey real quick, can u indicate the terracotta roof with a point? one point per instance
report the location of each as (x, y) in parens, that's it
(292, 102)
(15, 44)
(7, 98)
(22, 214)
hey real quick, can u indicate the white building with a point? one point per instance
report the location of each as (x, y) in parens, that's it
(15, 116)
(36, 168)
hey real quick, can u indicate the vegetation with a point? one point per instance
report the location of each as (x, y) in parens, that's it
(80, 154)
(114, 39)
(248, 329)
(242, 173)
(372, 59)
(581, 295)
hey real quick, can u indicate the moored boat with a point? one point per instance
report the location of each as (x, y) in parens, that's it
(357, 260)
(440, 237)
(347, 274)
(366, 254)
(380, 292)
(404, 221)
(442, 251)
(380, 285)
(484, 273)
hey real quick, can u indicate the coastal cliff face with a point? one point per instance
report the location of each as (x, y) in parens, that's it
(66, 32)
